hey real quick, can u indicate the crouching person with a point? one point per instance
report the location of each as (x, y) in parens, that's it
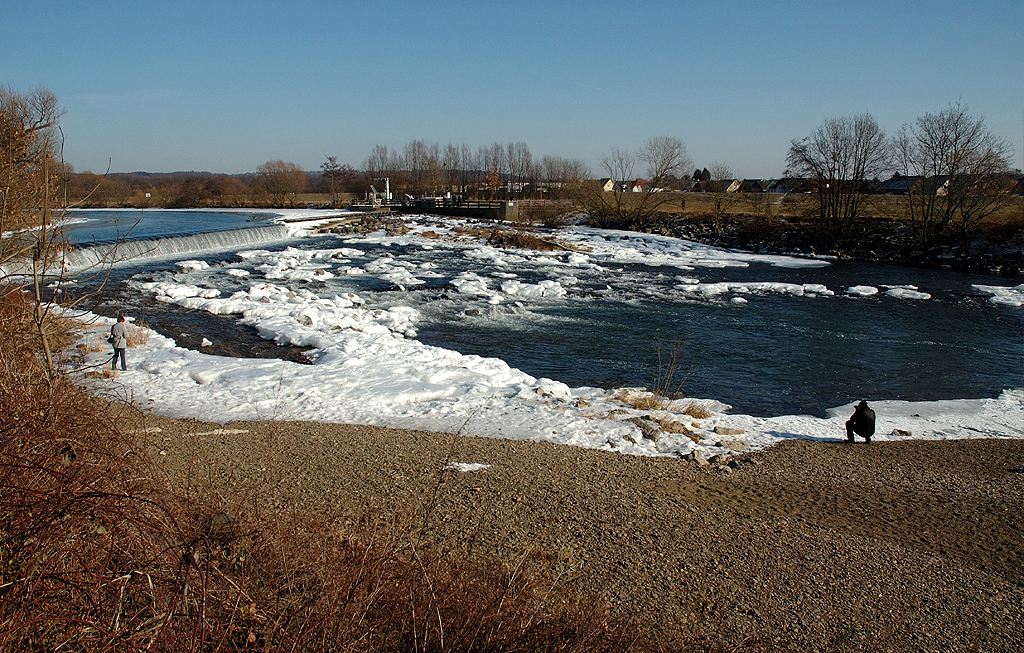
(862, 422)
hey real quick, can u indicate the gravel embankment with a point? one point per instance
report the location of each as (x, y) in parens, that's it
(908, 546)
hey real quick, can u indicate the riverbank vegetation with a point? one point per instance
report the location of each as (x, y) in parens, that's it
(96, 553)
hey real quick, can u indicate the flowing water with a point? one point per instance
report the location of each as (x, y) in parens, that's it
(626, 325)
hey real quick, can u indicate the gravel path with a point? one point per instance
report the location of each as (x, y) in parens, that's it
(896, 546)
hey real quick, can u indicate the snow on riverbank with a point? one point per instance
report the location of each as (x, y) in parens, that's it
(398, 382)
(368, 368)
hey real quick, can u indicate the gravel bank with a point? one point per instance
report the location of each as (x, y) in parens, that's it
(896, 546)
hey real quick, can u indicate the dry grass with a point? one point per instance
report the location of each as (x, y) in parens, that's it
(667, 394)
(804, 207)
(697, 410)
(138, 334)
(471, 232)
(640, 399)
(96, 555)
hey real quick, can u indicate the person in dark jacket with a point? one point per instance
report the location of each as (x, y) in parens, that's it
(119, 338)
(862, 422)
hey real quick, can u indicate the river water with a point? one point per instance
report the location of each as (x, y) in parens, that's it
(626, 325)
(107, 226)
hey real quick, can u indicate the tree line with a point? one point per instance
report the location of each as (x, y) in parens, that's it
(495, 171)
(949, 173)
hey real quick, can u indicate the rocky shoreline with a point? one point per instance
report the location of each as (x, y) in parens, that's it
(897, 546)
(999, 251)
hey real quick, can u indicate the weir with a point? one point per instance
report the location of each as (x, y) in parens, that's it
(132, 250)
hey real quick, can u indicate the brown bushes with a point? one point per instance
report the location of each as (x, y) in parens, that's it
(97, 554)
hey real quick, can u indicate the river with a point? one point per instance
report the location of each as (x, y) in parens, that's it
(629, 324)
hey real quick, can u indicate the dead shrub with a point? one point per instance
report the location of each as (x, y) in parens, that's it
(76, 515)
(94, 555)
(697, 410)
(138, 334)
(764, 228)
(640, 399)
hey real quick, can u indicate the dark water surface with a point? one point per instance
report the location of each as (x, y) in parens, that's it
(776, 354)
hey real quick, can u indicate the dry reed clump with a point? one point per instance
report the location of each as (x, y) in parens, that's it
(640, 399)
(138, 334)
(644, 400)
(102, 373)
(697, 410)
(97, 345)
(651, 401)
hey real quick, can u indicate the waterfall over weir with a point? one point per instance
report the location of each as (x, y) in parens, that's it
(132, 250)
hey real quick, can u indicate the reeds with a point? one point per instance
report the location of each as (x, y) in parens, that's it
(138, 333)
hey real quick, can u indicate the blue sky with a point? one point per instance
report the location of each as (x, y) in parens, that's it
(226, 86)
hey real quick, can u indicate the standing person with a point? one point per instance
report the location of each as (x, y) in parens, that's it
(119, 338)
(862, 422)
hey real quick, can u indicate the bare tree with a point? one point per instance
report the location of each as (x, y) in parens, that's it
(335, 177)
(450, 161)
(956, 171)
(28, 150)
(422, 162)
(841, 157)
(381, 164)
(520, 167)
(30, 170)
(280, 180)
(723, 196)
(376, 164)
(469, 169)
(665, 157)
(434, 177)
(562, 176)
(632, 205)
(492, 162)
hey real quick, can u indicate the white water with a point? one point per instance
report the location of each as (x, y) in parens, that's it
(134, 250)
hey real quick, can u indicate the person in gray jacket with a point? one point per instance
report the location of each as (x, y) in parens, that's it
(119, 338)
